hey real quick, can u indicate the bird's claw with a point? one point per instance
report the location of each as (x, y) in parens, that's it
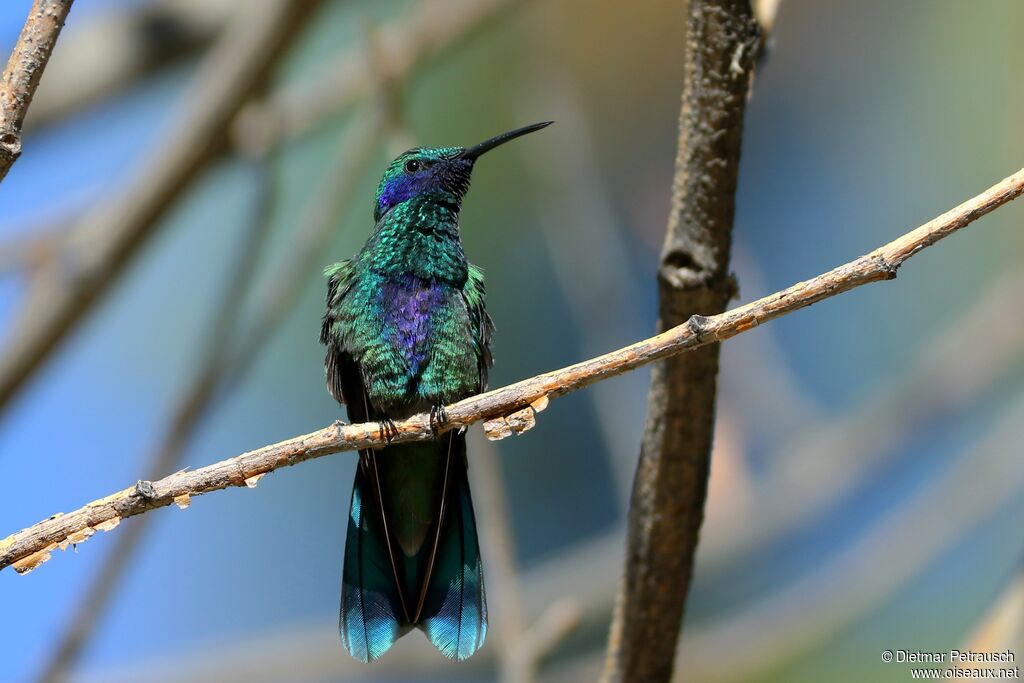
(389, 428)
(339, 423)
(438, 417)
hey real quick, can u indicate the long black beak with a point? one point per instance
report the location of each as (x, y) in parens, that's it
(487, 145)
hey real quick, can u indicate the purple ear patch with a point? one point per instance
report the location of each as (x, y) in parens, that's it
(401, 188)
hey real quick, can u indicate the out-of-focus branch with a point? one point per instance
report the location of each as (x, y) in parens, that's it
(793, 620)
(24, 69)
(507, 617)
(191, 406)
(108, 238)
(404, 46)
(402, 49)
(560, 619)
(598, 283)
(520, 645)
(116, 50)
(28, 548)
(947, 374)
(274, 299)
(224, 364)
(667, 504)
(1001, 627)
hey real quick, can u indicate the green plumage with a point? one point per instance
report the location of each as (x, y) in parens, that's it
(406, 331)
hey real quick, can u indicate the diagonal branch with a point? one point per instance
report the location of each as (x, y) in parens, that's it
(30, 547)
(109, 237)
(24, 70)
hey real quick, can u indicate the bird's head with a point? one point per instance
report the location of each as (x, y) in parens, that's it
(440, 174)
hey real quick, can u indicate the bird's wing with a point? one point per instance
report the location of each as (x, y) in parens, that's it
(482, 325)
(338, 363)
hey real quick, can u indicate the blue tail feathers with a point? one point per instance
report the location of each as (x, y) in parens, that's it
(371, 610)
(455, 609)
(451, 608)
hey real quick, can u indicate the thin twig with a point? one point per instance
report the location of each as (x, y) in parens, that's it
(670, 486)
(105, 242)
(582, 571)
(24, 69)
(28, 548)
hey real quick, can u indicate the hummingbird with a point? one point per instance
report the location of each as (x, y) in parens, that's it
(407, 331)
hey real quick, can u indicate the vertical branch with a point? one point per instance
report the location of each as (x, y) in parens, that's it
(24, 69)
(670, 486)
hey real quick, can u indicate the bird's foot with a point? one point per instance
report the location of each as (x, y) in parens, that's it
(339, 423)
(438, 417)
(389, 428)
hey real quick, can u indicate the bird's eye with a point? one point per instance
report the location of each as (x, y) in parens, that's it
(412, 166)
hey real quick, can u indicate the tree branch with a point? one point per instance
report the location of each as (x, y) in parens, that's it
(24, 69)
(30, 547)
(107, 239)
(670, 486)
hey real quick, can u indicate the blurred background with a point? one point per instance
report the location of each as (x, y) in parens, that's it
(867, 475)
